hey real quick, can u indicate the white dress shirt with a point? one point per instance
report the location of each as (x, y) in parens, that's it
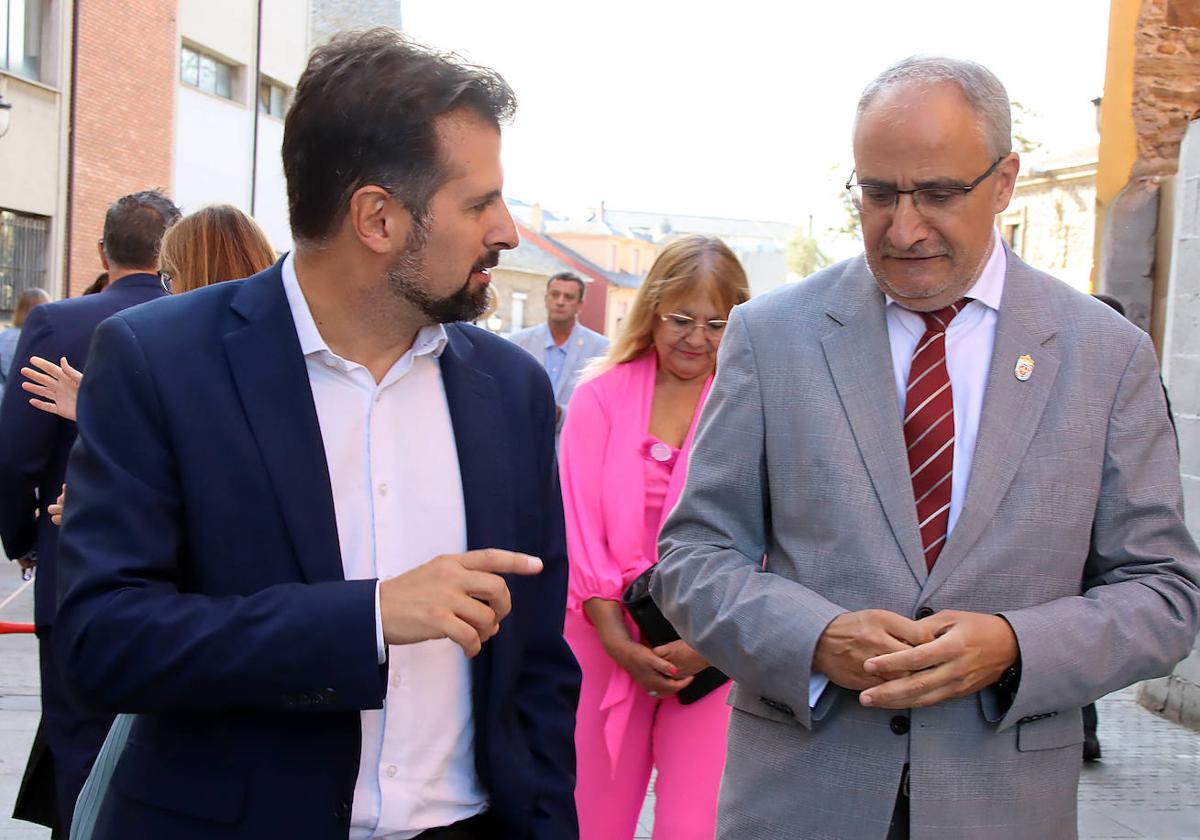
(397, 498)
(969, 342)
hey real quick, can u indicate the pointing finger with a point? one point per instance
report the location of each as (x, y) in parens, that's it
(501, 562)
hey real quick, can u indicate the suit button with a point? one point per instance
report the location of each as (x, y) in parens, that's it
(924, 612)
(342, 810)
(899, 725)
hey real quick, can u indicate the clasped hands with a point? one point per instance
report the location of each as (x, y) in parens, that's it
(900, 663)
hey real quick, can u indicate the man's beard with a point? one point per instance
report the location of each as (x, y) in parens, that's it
(407, 278)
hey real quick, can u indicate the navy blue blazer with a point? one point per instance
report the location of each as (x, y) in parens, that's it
(202, 581)
(34, 445)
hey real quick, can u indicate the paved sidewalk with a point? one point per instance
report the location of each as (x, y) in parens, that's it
(1147, 786)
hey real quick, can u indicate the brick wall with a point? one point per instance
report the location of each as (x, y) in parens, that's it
(126, 56)
(1165, 89)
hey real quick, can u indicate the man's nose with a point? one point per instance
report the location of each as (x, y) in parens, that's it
(908, 226)
(503, 234)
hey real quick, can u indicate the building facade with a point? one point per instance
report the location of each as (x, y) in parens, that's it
(184, 95)
(1051, 219)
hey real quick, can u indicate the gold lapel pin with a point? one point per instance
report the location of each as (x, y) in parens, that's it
(1024, 368)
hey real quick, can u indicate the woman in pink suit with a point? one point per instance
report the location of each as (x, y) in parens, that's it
(623, 462)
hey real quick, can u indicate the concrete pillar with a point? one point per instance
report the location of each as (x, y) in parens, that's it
(1178, 696)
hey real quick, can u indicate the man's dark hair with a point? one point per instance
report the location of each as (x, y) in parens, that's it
(134, 226)
(571, 277)
(365, 112)
(1112, 302)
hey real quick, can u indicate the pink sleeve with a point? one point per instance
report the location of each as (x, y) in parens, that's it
(593, 572)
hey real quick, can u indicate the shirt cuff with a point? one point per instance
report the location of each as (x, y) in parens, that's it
(380, 647)
(817, 683)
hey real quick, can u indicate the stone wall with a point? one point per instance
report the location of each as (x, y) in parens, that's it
(1050, 222)
(330, 17)
(1165, 89)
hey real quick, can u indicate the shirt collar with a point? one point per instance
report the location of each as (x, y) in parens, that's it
(430, 340)
(989, 286)
(550, 345)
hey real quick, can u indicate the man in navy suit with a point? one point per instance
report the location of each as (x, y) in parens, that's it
(33, 460)
(314, 535)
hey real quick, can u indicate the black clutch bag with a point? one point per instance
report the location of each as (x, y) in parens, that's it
(656, 630)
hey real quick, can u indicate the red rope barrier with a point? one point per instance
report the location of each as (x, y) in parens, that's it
(15, 627)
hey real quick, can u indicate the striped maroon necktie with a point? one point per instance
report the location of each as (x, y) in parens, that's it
(929, 430)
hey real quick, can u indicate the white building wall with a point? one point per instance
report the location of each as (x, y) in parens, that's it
(213, 150)
(270, 200)
(216, 157)
(285, 39)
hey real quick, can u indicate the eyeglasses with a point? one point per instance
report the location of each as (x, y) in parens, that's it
(877, 198)
(681, 326)
(164, 280)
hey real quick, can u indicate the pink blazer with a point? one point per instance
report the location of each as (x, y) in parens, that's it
(603, 489)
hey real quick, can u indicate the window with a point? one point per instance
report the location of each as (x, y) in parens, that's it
(518, 309)
(23, 241)
(272, 98)
(21, 37)
(209, 74)
(1012, 235)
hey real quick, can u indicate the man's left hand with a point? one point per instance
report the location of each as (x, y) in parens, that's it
(969, 652)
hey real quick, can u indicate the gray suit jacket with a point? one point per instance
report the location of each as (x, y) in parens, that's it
(1072, 528)
(583, 346)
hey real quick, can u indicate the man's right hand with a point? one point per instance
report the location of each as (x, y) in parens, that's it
(854, 637)
(460, 597)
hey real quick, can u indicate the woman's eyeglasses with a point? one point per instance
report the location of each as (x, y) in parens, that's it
(681, 326)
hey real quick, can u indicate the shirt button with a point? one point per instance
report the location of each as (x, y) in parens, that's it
(396, 680)
(382, 489)
(392, 770)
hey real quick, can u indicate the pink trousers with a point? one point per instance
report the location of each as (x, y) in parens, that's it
(685, 743)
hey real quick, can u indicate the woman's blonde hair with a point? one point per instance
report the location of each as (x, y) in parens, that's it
(684, 266)
(214, 244)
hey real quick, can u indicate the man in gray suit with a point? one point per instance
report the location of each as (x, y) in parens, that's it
(962, 478)
(562, 344)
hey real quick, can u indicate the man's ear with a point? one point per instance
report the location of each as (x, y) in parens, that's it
(103, 256)
(379, 221)
(1006, 180)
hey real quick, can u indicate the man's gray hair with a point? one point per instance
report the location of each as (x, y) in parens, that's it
(978, 84)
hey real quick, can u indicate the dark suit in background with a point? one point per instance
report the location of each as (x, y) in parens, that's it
(33, 462)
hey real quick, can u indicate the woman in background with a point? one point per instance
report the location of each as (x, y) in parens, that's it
(623, 460)
(209, 246)
(9, 337)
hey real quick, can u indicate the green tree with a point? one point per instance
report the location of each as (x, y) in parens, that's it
(804, 254)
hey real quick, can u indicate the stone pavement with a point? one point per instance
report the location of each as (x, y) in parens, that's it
(1147, 786)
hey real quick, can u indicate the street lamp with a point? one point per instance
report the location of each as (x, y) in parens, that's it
(5, 116)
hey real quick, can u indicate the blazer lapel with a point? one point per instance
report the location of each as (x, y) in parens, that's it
(272, 380)
(859, 357)
(473, 398)
(1011, 412)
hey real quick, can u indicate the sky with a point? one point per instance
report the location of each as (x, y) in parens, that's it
(742, 109)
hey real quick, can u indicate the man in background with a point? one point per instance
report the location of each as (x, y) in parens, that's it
(34, 445)
(562, 344)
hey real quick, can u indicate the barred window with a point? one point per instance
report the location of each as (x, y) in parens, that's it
(23, 245)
